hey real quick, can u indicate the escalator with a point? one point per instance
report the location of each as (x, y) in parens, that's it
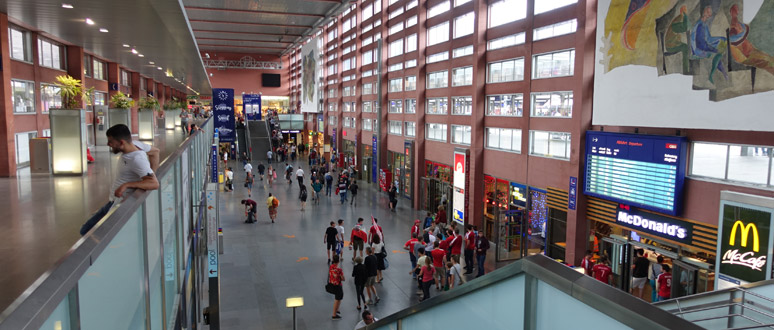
(259, 140)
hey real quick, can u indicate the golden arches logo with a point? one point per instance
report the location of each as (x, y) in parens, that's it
(745, 234)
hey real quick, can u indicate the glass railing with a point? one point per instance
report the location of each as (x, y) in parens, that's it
(534, 293)
(136, 268)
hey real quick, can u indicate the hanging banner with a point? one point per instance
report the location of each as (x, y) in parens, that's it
(461, 184)
(223, 111)
(310, 57)
(252, 106)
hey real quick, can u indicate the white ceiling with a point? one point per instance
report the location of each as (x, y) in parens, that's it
(158, 29)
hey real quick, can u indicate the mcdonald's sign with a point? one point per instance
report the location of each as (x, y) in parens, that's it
(744, 247)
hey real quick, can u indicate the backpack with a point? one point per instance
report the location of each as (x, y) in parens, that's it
(328, 177)
(303, 194)
(275, 202)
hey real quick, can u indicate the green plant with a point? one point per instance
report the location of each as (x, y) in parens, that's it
(71, 90)
(149, 102)
(121, 101)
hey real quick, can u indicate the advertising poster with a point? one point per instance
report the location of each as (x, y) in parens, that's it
(685, 64)
(223, 111)
(252, 106)
(744, 247)
(459, 198)
(310, 56)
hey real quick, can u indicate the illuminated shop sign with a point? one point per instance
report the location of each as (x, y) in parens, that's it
(654, 224)
(461, 183)
(645, 171)
(518, 194)
(744, 247)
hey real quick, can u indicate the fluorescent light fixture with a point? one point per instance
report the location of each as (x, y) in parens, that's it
(140, 55)
(134, 51)
(103, 30)
(158, 68)
(127, 46)
(151, 62)
(89, 21)
(67, 5)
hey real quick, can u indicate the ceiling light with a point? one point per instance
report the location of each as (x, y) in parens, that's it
(127, 46)
(151, 62)
(103, 30)
(158, 68)
(67, 5)
(140, 55)
(89, 21)
(134, 51)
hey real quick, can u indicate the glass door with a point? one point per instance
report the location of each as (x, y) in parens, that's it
(683, 279)
(510, 234)
(617, 253)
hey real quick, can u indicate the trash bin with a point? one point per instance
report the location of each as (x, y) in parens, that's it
(40, 155)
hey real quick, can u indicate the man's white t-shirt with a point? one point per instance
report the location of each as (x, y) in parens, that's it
(362, 324)
(268, 154)
(230, 175)
(340, 229)
(132, 167)
(142, 145)
(248, 167)
(300, 172)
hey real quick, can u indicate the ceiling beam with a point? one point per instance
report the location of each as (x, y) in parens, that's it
(249, 11)
(249, 40)
(297, 26)
(237, 46)
(252, 33)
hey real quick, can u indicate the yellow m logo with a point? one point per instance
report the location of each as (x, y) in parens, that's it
(745, 234)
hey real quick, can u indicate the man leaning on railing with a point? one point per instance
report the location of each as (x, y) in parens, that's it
(134, 171)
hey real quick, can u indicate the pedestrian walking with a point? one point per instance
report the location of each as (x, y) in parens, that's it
(330, 239)
(250, 210)
(302, 197)
(358, 238)
(602, 272)
(381, 255)
(272, 175)
(470, 246)
(353, 189)
(371, 267)
(336, 277)
(249, 183)
(360, 275)
(261, 169)
(410, 246)
(342, 189)
(393, 194)
(300, 176)
(316, 188)
(664, 283)
(375, 230)
(655, 271)
(272, 203)
(248, 167)
(482, 245)
(427, 274)
(288, 172)
(455, 273)
(640, 274)
(229, 174)
(328, 183)
(340, 238)
(269, 155)
(416, 271)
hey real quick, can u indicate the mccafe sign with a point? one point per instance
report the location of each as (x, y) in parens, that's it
(744, 243)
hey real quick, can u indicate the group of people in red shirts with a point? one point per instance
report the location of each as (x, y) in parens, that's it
(603, 273)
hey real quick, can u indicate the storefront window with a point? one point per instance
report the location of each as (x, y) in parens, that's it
(438, 171)
(538, 217)
(558, 234)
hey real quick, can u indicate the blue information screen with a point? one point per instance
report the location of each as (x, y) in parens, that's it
(646, 171)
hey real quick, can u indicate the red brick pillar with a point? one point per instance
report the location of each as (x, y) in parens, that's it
(7, 148)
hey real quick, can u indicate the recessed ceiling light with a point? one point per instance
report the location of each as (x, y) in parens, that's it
(151, 62)
(67, 5)
(134, 51)
(127, 46)
(89, 21)
(158, 68)
(103, 30)
(140, 55)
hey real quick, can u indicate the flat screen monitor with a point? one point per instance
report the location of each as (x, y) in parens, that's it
(270, 79)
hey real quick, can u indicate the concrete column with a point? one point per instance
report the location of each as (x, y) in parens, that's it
(475, 207)
(114, 79)
(135, 92)
(7, 148)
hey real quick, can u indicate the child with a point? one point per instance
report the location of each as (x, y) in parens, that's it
(664, 283)
(428, 220)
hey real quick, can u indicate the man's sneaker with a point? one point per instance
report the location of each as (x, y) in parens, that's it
(377, 300)
(335, 318)
(369, 302)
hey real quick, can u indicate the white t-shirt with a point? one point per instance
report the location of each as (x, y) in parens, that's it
(431, 243)
(132, 167)
(248, 167)
(340, 229)
(230, 175)
(299, 172)
(268, 154)
(457, 272)
(377, 248)
(142, 145)
(362, 324)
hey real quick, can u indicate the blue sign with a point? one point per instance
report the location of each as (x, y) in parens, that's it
(573, 193)
(223, 111)
(252, 106)
(518, 194)
(214, 164)
(374, 168)
(333, 140)
(645, 171)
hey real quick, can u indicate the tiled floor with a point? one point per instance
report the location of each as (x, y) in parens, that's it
(265, 263)
(42, 214)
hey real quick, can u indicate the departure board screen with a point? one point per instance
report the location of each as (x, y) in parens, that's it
(646, 171)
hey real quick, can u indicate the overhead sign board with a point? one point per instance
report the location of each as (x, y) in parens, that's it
(645, 171)
(653, 224)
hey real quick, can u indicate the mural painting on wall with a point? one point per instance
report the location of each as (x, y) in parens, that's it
(309, 69)
(705, 39)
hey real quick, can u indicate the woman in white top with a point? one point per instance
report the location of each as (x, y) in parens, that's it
(378, 247)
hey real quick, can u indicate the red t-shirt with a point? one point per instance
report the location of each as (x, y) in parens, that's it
(427, 273)
(602, 272)
(664, 285)
(455, 244)
(438, 255)
(470, 240)
(376, 231)
(587, 265)
(335, 274)
(411, 244)
(444, 244)
(414, 230)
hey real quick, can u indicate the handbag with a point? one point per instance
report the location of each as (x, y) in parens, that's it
(245, 184)
(330, 287)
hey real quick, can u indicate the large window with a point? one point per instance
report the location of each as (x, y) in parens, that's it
(411, 43)
(460, 2)
(50, 55)
(462, 51)
(511, 105)
(462, 76)
(367, 124)
(504, 71)
(438, 34)
(439, 79)
(346, 91)
(395, 127)
(411, 105)
(462, 105)
(49, 97)
(507, 41)
(350, 122)
(20, 44)
(367, 106)
(545, 6)
(395, 67)
(395, 13)
(332, 120)
(506, 139)
(126, 78)
(411, 21)
(395, 28)
(552, 104)
(368, 88)
(438, 57)
(396, 85)
(331, 92)
(100, 98)
(461, 134)
(550, 144)
(368, 57)
(349, 63)
(435, 132)
(558, 64)
(411, 129)
(732, 162)
(437, 106)
(332, 107)
(22, 141)
(332, 69)
(555, 30)
(438, 9)
(23, 96)
(396, 48)
(348, 107)
(507, 11)
(463, 25)
(411, 83)
(396, 106)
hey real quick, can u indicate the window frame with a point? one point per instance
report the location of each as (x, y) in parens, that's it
(433, 32)
(533, 108)
(413, 129)
(428, 131)
(467, 78)
(44, 86)
(516, 75)
(396, 106)
(535, 58)
(469, 132)
(391, 124)
(441, 100)
(727, 164)
(568, 144)
(513, 96)
(430, 79)
(470, 15)
(61, 49)
(453, 106)
(29, 86)
(487, 144)
(26, 44)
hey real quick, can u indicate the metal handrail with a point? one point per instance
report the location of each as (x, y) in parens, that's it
(31, 309)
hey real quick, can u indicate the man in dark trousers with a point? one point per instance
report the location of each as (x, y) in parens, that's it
(330, 239)
(470, 245)
(250, 209)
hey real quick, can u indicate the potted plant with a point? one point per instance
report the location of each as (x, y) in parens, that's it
(171, 112)
(68, 127)
(120, 113)
(145, 115)
(178, 110)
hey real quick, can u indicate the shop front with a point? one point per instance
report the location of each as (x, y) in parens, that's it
(436, 187)
(367, 167)
(315, 141)
(347, 155)
(687, 246)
